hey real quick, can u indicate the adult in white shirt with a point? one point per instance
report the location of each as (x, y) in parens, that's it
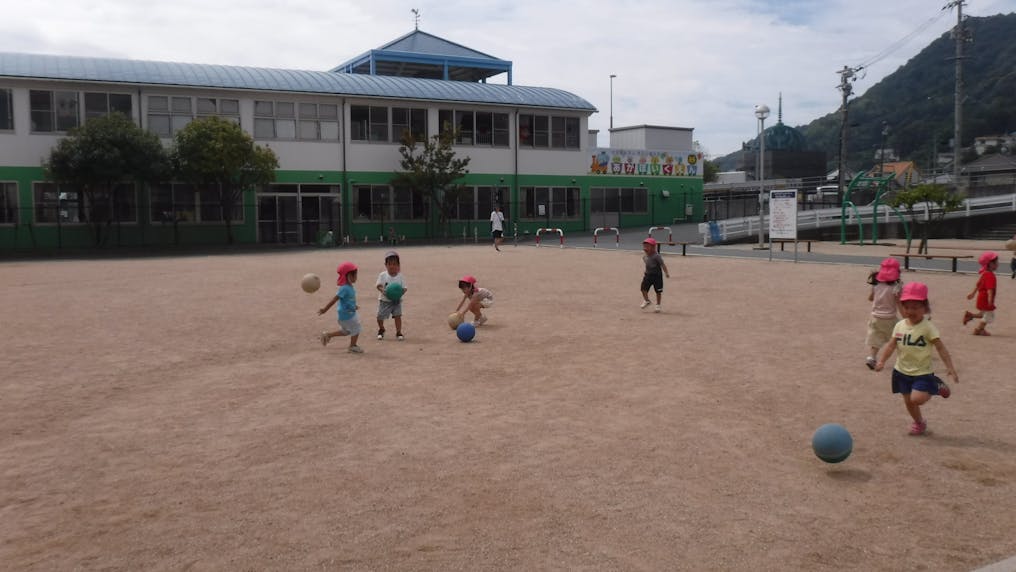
(497, 226)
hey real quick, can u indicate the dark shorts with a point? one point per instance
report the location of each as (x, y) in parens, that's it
(497, 233)
(903, 383)
(655, 280)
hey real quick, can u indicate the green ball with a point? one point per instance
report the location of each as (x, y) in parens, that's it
(832, 443)
(394, 291)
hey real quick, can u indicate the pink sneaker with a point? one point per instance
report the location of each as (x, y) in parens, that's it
(918, 427)
(943, 390)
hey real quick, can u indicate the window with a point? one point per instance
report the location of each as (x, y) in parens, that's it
(614, 200)
(63, 204)
(6, 110)
(8, 203)
(169, 114)
(369, 123)
(412, 120)
(481, 128)
(552, 202)
(476, 203)
(382, 203)
(53, 111)
(553, 132)
(102, 104)
(319, 121)
(181, 202)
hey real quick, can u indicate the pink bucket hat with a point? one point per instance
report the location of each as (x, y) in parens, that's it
(986, 258)
(344, 269)
(889, 271)
(914, 291)
(651, 241)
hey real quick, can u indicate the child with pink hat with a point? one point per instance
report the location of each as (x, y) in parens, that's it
(885, 298)
(914, 336)
(349, 321)
(653, 276)
(985, 292)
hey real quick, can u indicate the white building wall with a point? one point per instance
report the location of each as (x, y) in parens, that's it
(652, 137)
(23, 148)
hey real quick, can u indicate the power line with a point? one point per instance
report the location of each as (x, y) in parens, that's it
(899, 43)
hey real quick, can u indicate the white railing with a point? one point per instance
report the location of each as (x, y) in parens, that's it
(740, 228)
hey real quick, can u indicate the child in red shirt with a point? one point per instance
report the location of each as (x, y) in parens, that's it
(985, 292)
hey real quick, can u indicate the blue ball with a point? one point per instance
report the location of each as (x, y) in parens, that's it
(832, 443)
(465, 332)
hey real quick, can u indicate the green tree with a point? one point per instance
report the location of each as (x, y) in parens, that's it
(101, 160)
(935, 196)
(710, 170)
(430, 169)
(214, 153)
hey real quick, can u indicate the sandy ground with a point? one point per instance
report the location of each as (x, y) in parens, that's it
(180, 414)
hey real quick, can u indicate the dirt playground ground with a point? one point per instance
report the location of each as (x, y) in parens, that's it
(179, 413)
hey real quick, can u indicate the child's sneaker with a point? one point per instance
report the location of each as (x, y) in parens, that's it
(355, 350)
(967, 316)
(399, 336)
(981, 333)
(918, 427)
(645, 304)
(324, 338)
(380, 334)
(943, 390)
(481, 321)
(870, 362)
(657, 309)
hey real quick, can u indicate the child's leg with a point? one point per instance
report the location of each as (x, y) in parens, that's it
(352, 339)
(645, 294)
(914, 409)
(398, 325)
(476, 308)
(659, 296)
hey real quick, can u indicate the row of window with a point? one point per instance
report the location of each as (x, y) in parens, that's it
(183, 203)
(60, 111)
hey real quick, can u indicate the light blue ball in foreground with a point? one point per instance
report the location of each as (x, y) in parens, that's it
(465, 331)
(832, 443)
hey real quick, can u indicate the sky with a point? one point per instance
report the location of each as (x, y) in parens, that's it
(678, 63)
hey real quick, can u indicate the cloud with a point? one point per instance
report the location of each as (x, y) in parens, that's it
(678, 62)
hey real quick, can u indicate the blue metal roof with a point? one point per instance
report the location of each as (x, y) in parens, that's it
(140, 72)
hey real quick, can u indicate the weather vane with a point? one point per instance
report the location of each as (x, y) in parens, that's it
(416, 18)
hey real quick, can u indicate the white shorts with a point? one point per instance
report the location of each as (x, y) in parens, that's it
(988, 316)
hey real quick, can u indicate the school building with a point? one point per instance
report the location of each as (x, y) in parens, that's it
(336, 134)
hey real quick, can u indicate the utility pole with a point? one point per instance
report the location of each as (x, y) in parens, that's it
(846, 76)
(960, 37)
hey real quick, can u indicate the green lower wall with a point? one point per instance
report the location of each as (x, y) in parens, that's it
(26, 235)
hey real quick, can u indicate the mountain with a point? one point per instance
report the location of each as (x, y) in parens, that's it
(916, 101)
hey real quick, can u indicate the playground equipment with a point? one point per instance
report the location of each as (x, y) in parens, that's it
(540, 231)
(670, 236)
(617, 235)
(881, 185)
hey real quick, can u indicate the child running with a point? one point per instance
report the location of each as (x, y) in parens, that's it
(985, 292)
(349, 322)
(655, 269)
(477, 298)
(914, 337)
(385, 306)
(885, 299)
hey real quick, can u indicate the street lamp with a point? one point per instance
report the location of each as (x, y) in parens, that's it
(612, 76)
(761, 112)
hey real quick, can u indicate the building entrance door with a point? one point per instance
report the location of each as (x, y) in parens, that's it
(299, 214)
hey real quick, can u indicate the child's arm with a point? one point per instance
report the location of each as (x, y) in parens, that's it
(973, 292)
(991, 298)
(884, 354)
(464, 298)
(329, 305)
(871, 295)
(947, 359)
(663, 265)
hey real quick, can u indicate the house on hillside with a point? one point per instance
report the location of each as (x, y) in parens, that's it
(906, 172)
(991, 170)
(996, 142)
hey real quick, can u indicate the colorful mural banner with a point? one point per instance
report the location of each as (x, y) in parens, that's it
(637, 162)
